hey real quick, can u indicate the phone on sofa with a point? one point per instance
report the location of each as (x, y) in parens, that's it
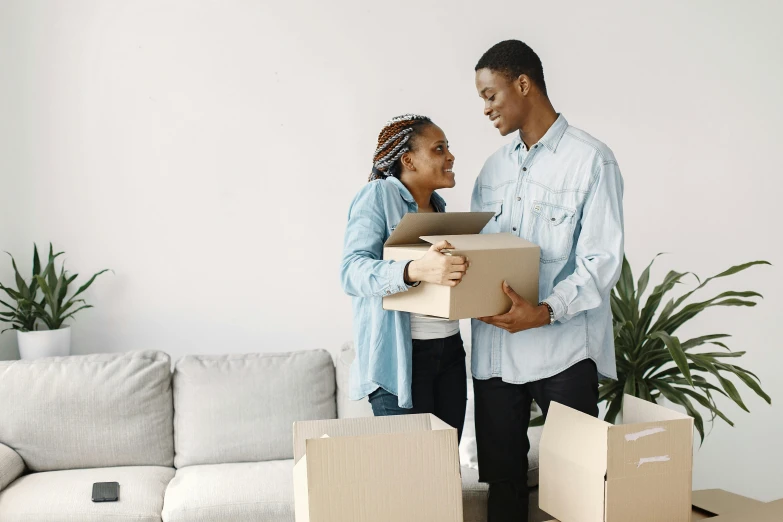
(105, 492)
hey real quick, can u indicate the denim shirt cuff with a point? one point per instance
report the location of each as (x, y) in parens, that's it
(558, 305)
(397, 278)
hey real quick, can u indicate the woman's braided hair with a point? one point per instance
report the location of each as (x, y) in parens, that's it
(394, 141)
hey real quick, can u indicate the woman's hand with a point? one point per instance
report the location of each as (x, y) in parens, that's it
(439, 268)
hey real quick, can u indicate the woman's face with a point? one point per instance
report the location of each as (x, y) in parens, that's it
(430, 164)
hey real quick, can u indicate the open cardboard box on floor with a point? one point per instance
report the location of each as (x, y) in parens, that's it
(592, 471)
(380, 469)
(721, 506)
(494, 258)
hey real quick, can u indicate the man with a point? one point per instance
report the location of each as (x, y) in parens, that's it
(561, 189)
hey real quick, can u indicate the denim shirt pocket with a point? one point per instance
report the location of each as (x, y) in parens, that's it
(552, 229)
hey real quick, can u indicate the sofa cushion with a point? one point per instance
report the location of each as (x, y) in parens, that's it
(247, 492)
(11, 466)
(66, 496)
(88, 411)
(263, 491)
(241, 408)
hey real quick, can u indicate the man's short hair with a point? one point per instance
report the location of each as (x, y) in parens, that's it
(513, 59)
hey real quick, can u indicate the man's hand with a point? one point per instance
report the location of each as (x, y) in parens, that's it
(522, 316)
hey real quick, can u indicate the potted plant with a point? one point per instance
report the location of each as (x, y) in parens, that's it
(653, 363)
(53, 308)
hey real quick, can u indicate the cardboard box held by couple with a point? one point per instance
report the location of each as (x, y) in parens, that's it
(494, 258)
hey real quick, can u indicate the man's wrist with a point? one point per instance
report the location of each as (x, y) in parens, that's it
(546, 314)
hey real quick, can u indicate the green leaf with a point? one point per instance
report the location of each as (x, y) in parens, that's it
(36, 261)
(678, 397)
(645, 277)
(625, 284)
(654, 300)
(706, 365)
(47, 293)
(744, 377)
(677, 353)
(20, 284)
(731, 271)
(86, 285)
(71, 314)
(614, 408)
(698, 341)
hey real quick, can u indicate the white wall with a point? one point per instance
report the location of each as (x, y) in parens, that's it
(208, 151)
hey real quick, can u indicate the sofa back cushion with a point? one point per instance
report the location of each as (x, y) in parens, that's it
(88, 411)
(241, 408)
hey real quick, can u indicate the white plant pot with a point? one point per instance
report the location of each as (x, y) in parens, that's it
(44, 343)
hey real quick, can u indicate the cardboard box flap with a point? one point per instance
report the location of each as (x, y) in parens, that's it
(637, 410)
(500, 241)
(572, 465)
(771, 512)
(356, 427)
(720, 502)
(414, 225)
(576, 437)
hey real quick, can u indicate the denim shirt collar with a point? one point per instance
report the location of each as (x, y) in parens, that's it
(437, 202)
(550, 139)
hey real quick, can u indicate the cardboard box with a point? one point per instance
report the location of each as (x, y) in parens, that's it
(592, 471)
(493, 259)
(721, 506)
(380, 469)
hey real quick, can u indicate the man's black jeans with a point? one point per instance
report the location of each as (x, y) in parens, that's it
(502, 417)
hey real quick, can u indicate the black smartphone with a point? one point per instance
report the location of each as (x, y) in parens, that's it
(105, 492)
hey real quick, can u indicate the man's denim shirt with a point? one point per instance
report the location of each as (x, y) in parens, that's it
(382, 339)
(565, 195)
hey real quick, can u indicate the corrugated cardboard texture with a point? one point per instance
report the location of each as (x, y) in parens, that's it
(573, 464)
(592, 471)
(505, 258)
(721, 506)
(301, 498)
(718, 501)
(481, 294)
(355, 427)
(413, 225)
(771, 512)
(649, 462)
(409, 472)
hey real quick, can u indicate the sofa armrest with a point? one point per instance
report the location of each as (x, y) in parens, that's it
(11, 466)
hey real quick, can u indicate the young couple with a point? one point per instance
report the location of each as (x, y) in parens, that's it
(553, 185)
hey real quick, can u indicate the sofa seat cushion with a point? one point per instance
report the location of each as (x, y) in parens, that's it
(66, 496)
(240, 492)
(263, 491)
(241, 408)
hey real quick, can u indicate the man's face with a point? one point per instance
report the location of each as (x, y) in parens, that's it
(504, 101)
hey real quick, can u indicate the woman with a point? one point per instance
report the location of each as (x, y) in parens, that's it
(405, 363)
